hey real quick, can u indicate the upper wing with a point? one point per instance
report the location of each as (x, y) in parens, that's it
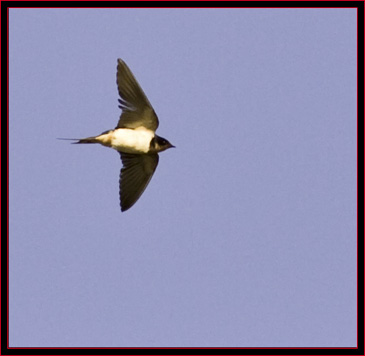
(136, 109)
(135, 175)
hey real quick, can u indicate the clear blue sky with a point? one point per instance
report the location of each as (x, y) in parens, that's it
(246, 235)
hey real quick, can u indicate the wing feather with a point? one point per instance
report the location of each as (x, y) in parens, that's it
(136, 109)
(134, 177)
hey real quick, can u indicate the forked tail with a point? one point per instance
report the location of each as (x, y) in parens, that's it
(82, 140)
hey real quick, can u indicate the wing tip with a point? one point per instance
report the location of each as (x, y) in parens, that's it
(124, 207)
(121, 63)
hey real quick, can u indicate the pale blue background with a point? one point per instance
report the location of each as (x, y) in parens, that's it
(246, 235)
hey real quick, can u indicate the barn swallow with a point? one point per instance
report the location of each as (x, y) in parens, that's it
(134, 138)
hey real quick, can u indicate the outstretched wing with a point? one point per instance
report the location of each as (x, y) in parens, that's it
(134, 177)
(136, 109)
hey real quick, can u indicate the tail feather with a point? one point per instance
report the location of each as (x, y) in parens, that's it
(82, 140)
(88, 140)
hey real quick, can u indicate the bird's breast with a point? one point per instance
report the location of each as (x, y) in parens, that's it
(131, 140)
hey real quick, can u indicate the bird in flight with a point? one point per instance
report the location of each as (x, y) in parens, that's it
(134, 138)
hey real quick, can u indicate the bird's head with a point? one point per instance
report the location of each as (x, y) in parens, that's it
(159, 144)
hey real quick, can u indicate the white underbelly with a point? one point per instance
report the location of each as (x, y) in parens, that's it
(131, 141)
